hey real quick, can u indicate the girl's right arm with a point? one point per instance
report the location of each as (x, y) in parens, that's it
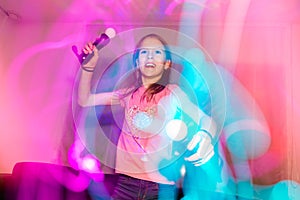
(85, 97)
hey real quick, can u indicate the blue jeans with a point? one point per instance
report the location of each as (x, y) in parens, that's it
(129, 188)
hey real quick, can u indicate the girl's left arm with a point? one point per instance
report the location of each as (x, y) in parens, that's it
(201, 142)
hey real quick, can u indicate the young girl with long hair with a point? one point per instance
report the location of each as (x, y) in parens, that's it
(150, 103)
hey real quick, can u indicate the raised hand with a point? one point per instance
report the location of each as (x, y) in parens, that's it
(90, 50)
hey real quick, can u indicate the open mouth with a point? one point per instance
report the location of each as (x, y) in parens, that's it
(152, 65)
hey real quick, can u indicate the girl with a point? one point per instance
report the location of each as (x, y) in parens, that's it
(150, 103)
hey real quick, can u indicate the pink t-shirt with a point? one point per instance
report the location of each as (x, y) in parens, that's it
(143, 143)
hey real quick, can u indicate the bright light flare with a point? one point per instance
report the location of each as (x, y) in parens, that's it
(176, 129)
(89, 164)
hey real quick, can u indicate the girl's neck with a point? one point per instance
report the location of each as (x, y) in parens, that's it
(147, 82)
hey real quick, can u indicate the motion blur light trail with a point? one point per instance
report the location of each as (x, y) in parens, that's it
(252, 45)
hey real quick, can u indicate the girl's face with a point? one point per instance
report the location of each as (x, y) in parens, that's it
(152, 60)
